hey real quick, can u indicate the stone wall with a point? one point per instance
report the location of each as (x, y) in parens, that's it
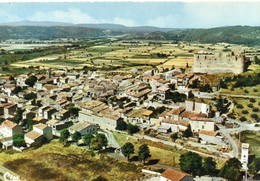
(219, 62)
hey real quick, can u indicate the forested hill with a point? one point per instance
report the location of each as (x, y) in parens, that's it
(233, 34)
(38, 32)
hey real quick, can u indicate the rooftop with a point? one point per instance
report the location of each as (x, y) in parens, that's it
(33, 135)
(174, 175)
(40, 126)
(80, 126)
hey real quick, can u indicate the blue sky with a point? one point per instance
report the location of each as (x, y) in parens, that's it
(160, 14)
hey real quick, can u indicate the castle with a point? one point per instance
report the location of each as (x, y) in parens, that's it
(219, 62)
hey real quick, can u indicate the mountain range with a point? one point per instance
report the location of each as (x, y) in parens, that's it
(48, 30)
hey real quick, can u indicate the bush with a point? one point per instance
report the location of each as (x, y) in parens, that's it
(255, 90)
(255, 116)
(240, 106)
(121, 125)
(250, 105)
(252, 100)
(246, 91)
(245, 112)
(243, 119)
(131, 129)
(146, 132)
(256, 110)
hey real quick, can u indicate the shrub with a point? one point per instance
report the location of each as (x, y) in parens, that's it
(255, 116)
(250, 105)
(243, 119)
(256, 110)
(146, 132)
(245, 112)
(240, 106)
(246, 91)
(252, 100)
(255, 90)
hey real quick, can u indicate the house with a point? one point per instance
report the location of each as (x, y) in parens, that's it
(164, 129)
(97, 112)
(9, 128)
(176, 125)
(43, 129)
(38, 133)
(184, 79)
(39, 119)
(198, 123)
(211, 137)
(83, 128)
(163, 92)
(198, 107)
(175, 175)
(9, 109)
(28, 115)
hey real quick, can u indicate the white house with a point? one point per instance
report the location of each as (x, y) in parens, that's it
(197, 124)
(9, 128)
(83, 128)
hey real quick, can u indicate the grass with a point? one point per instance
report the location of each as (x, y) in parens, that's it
(56, 162)
(252, 91)
(253, 138)
(238, 112)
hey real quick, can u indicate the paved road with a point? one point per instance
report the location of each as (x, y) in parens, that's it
(242, 127)
(111, 139)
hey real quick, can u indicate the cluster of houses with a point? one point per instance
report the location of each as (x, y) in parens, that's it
(102, 102)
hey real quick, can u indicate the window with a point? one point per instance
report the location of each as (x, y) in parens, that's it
(203, 127)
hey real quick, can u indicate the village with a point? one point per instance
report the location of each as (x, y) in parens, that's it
(163, 104)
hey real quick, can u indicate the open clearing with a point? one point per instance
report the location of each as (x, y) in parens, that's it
(56, 162)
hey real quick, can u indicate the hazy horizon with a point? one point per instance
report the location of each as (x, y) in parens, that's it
(158, 14)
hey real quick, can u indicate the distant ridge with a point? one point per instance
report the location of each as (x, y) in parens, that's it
(105, 26)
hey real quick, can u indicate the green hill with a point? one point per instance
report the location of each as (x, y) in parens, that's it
(38, 32)
(233, 34)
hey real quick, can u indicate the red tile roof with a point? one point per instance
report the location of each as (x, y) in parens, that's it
(174, 175)
(210, 133)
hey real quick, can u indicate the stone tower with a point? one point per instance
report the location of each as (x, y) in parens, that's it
(244, 155)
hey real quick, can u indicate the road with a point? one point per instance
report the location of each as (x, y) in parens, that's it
(174, 144)
(242, 127)
(111, 139)
(10, 175)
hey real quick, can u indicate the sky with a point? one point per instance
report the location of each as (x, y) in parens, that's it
(159, 14)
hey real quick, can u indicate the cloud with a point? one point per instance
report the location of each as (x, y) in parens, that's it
(168, 21)
(75, 15)
(214, 14)
(8, 17)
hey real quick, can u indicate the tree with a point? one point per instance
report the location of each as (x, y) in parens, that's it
(191, 163)
(231, 169)
(30, 96)
(87, 138)
(18, 140)
(17, 90)
(131, 129)
(128, 149)
(64, 135)
(121, 125)
(209, 165)
(73, 111)
(98, 142)
(143, 153)
(174, 136)
(76, 136)
(31, 81)
(187, 133)
(254, 167)
(220, 104)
